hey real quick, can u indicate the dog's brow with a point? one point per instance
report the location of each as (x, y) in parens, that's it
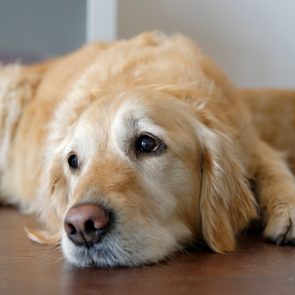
(133, 122)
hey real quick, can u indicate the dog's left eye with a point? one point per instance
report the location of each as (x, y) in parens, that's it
(147, 144)
(73, 161)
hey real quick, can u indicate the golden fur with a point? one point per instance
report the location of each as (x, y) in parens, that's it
(97, 100)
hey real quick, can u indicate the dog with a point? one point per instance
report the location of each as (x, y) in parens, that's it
(129, 151)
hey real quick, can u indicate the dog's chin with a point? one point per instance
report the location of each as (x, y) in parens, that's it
(101, 255)
(106, 254)
(116, 250)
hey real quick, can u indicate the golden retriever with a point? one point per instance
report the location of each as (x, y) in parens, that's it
(131, 150)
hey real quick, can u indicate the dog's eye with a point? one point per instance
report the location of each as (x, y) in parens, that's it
(147, 144)
(73, 161)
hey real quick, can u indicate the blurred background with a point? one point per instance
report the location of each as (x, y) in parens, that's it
(253, 41)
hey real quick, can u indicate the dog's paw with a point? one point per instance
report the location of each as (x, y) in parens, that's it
(280, 226)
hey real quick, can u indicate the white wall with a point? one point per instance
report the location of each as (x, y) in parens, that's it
(101, 20)
(252, 40)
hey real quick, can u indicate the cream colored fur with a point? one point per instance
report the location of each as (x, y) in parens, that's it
(96, 102)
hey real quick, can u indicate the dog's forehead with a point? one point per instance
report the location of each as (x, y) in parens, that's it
(135, 114)
(111, 125)
(103, 124)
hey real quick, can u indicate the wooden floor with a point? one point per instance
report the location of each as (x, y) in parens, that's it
(255, 268)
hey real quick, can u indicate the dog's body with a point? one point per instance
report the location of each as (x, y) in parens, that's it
(150, 132)
(273, 117)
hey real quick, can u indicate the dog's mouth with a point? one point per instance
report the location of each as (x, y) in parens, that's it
(91, 239)
(95, 256)
(111, 251)
(127, 245)
(94, 236)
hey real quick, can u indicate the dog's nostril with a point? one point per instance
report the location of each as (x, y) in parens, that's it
(89, 226)
(86, 224)
(70, 229)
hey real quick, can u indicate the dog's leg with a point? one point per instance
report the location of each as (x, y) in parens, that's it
(273, 117)
(275, 187)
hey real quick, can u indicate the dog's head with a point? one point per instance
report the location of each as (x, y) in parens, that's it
(140, 158)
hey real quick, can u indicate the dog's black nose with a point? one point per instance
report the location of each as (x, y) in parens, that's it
(86, 224)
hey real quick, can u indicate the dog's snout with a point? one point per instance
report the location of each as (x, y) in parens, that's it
(86, 224)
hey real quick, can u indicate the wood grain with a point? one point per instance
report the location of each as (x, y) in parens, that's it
(255, 268)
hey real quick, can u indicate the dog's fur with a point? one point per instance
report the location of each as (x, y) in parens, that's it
(97, 101)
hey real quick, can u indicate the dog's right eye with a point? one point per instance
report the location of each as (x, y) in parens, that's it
(149, 144)
(73, 161)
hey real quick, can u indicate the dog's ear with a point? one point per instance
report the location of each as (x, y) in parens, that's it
(50, 204)
(227, 204)
(52, 199)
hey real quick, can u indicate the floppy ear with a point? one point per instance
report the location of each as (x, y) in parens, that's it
(226, 203)
(50, 204)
